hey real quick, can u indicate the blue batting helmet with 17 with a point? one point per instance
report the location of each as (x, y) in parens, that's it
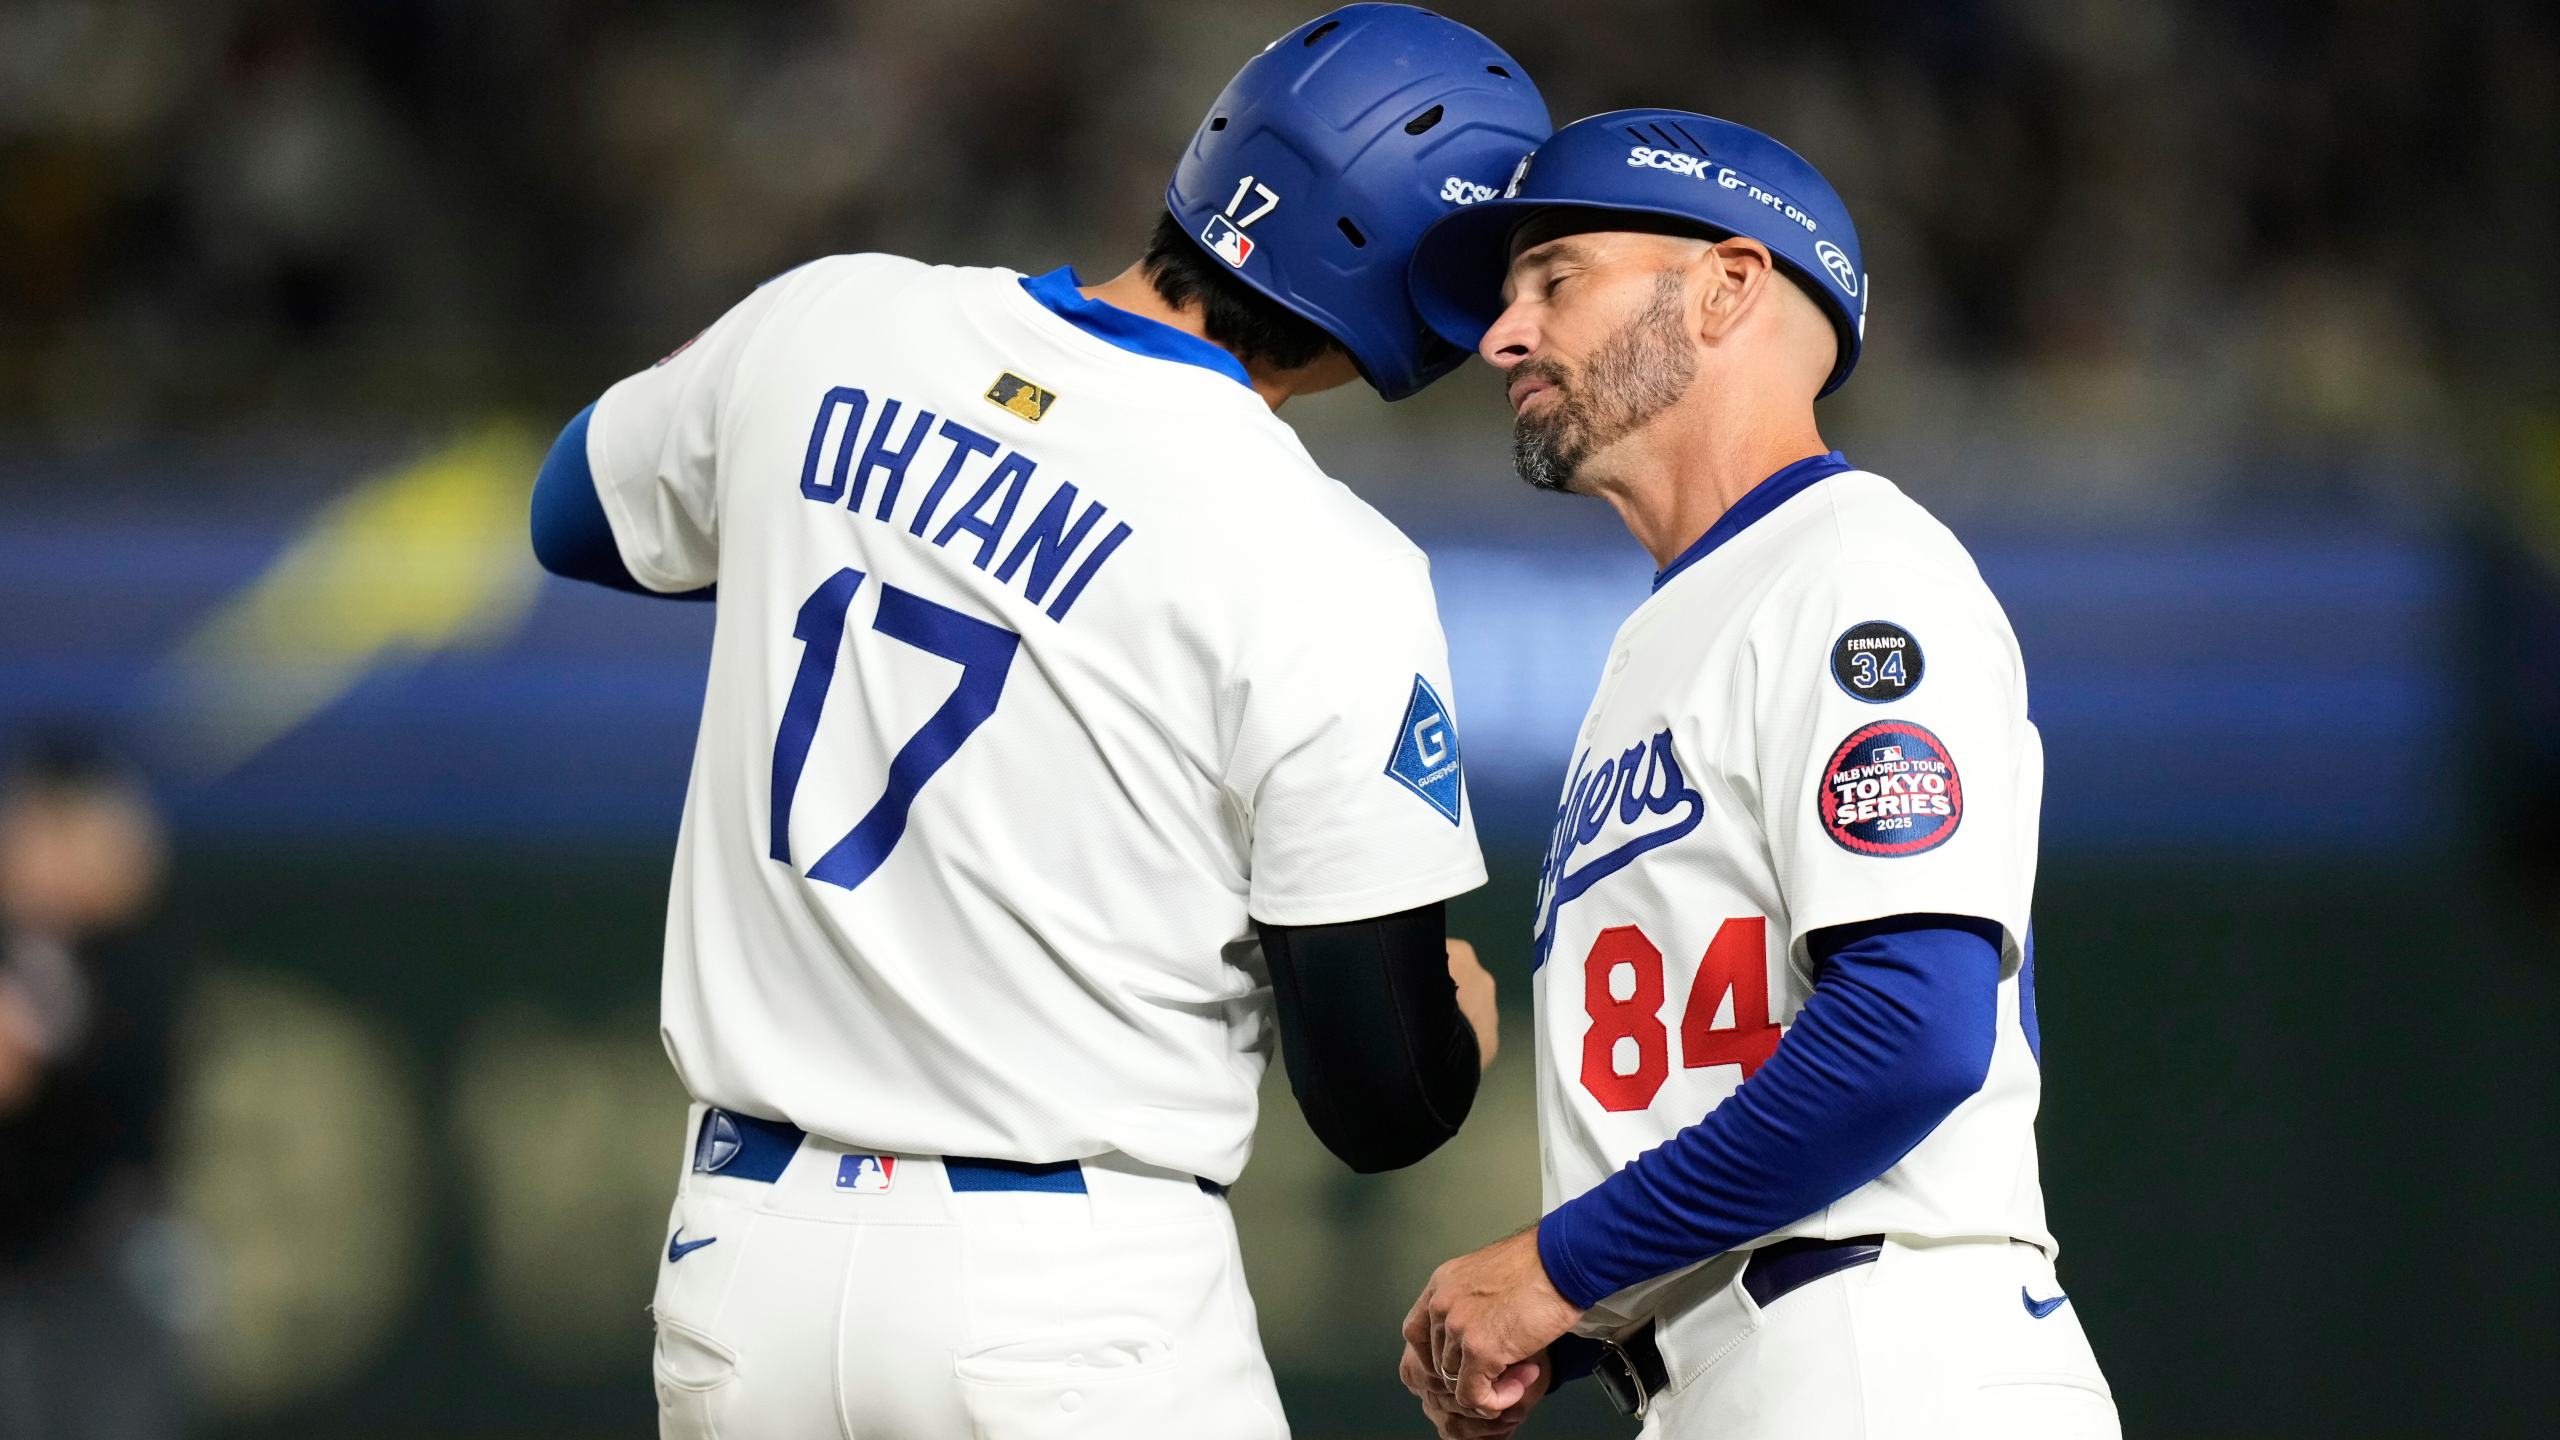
(1329, 154)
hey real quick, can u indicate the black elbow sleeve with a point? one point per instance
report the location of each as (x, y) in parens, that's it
(1382, 1062)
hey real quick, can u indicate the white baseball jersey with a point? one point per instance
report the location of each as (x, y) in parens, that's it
(1044, 658)
(1818, 718)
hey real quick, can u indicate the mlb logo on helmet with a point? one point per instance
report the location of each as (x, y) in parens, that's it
(1373, 120)
(866, 1174)
(1226, 241)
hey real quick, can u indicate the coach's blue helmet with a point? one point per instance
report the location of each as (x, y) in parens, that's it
(1330, 153)
(1724, 178)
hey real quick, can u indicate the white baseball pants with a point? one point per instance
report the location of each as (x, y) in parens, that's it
(853, 1301)
(1936, 1340)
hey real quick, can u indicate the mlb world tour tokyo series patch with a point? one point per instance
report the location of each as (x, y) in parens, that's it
(1890, 789)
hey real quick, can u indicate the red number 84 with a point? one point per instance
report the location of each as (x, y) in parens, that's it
(1736, 964)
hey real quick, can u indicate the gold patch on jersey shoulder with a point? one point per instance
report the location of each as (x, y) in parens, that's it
(1020, 396)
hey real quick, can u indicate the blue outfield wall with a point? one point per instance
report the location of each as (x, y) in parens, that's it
(2294, 687)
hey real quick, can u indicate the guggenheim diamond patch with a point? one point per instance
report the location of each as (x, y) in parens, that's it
(1426, 755)
(1891, 789)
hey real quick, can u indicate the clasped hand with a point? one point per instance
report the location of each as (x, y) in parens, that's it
(1475, 1348)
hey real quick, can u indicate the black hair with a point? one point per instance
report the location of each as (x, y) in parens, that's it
(1255, 327)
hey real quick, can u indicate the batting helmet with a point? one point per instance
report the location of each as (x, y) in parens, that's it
(1331, 151)
(1724, 178)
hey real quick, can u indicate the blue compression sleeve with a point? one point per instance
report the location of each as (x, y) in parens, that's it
(571, 537)
(1897, 1033)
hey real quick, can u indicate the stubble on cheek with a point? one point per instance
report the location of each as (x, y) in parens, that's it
(1637, 373)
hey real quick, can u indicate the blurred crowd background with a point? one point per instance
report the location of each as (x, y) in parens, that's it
(333, 838)
(2256, 224)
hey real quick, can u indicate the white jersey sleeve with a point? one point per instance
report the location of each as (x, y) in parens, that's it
(1346, 766)
(1897, 770)
(653, 445)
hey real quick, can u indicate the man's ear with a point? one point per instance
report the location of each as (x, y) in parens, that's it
(1732, 272)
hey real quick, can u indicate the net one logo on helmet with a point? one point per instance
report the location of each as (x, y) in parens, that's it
(1697, 168)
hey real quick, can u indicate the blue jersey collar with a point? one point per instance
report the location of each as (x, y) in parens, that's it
(1057, 293)
(1759, 500)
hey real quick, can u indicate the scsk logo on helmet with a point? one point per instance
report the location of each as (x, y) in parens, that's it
(1696, 168)
(1459, 190)
(1677, 162)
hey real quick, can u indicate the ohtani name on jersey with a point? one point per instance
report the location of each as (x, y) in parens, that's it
(861, 452)
(1644, 779)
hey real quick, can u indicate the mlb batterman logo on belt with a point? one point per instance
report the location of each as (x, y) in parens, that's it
(866, 1174)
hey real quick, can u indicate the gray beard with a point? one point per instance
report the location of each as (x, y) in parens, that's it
(1538, 453)
(1636, 374)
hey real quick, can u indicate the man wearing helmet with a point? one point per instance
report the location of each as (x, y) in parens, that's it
(1804, 803)
(1067, 734)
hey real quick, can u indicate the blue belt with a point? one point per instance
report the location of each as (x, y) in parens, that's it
(1775, 1270)
(743, 1147)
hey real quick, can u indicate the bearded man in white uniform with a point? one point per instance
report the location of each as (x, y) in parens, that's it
(1788, 1057)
